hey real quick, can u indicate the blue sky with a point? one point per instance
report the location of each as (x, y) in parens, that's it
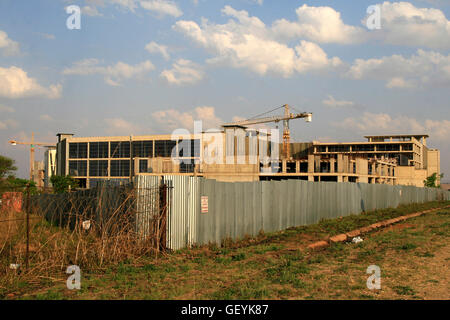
(151, 66)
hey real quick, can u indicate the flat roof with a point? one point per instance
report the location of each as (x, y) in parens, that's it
(400, 136)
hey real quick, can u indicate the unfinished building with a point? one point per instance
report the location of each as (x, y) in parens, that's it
(241, 154)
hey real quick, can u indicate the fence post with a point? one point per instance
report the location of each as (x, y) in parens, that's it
(27, 253)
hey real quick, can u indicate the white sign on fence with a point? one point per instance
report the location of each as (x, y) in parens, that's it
(204, 204)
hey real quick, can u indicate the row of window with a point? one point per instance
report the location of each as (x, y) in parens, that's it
(365, 147)
(119, 168)
(141, 149)
(99, 168)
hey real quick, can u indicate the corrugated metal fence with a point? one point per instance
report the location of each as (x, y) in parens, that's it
(237, 209)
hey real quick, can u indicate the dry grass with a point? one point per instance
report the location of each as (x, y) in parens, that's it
(53, 248)
(413, 257)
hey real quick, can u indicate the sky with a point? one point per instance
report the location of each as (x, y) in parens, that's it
(152, 66)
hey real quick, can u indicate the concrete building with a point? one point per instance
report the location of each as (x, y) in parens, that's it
(38, 173)
(414, 160)
(49, 165)
(240, 154)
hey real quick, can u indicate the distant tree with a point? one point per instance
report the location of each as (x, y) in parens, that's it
(431, 181)
(17, 184)
(6, 167)
(62, 184)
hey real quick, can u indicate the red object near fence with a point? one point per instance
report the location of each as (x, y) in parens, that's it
(12, 201)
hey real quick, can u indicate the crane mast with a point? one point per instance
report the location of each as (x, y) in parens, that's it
(32, 145)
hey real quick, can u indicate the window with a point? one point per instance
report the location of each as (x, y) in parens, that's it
(120, 149)
(143, 149)
(98, 168)
(163, 148)
(120, 168)
(98, 150)
(193, 146)
(78, 150)
(78, 168)
(143, 166)
(187, 167)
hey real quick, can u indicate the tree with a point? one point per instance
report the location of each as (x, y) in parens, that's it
(430, 182)
(17, 184)
(6, 166)
(62, 184)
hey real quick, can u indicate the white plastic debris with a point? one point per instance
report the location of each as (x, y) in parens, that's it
(357, 240)
(14, 266)
(86, 224)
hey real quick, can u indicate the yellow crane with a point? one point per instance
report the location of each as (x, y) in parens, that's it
(285, 118)
(32, 145)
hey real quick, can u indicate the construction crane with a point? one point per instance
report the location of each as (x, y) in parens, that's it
(32, 145)
(285, 118)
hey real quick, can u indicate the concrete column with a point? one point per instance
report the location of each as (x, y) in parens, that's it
(340, 163)
(332, 162)
(311, 164)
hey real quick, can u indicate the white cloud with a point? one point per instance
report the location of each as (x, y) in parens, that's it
(173, 119)
(183, 72)
(382, 123)
(332, 102)
(126, 4)
(91, 11)
(113, 74)
(321, 24)
(404, 24)
(425, 68)
(7, 46)
(245, 42)
(15, 83)
(8, 124)
(154, 47)
(162, 7)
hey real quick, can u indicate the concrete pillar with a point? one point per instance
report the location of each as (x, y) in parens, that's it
(311, 164)
(332, 162)
(340, 163)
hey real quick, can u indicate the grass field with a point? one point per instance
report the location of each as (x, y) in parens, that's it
(413, 257)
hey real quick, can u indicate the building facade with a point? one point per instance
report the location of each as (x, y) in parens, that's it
(241, 154)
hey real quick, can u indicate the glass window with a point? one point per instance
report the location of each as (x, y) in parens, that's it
(143, 149)
(191, 146)
(120, 168)
(98, 150)
(163, 148)
(187, 167)
(78, 168)
(143, 166)
(78, 150)
(120, 149)
(98, 168)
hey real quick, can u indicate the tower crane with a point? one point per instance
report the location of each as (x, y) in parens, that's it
(32, 145)
(285, 118)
